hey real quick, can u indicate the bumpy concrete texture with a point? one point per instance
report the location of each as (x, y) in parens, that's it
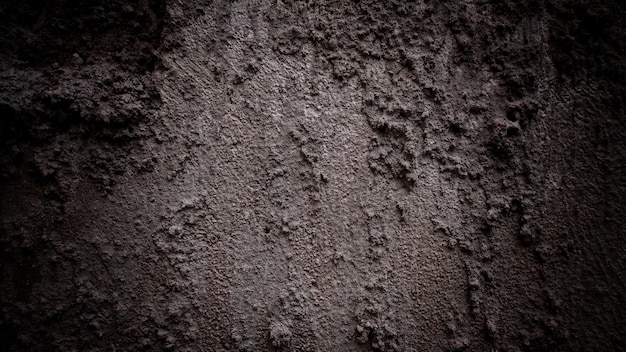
(273, 175)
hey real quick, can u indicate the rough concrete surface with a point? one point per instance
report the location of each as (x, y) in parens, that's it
(274, 175)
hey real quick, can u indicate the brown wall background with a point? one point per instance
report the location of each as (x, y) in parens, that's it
(312, 176)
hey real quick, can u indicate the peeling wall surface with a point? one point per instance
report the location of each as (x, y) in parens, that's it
(274, 175)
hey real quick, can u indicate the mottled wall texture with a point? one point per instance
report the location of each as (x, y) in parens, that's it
(276, 175)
